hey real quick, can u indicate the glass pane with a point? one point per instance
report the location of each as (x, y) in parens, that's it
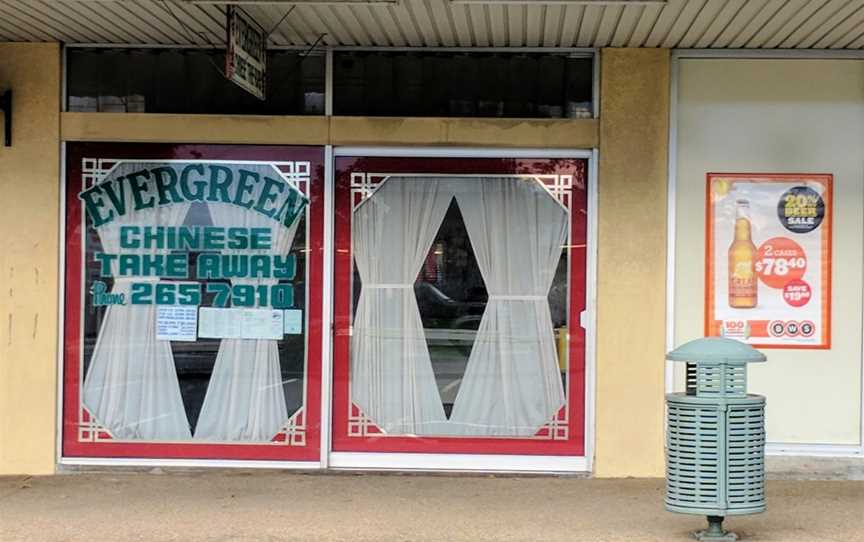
(194, 301)
(189, 81)
(516, 85)
(460, 310)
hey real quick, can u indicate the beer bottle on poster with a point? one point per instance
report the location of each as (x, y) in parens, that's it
(742, 261)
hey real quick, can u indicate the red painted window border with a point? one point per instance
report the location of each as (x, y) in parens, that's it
(575, 443)
(73, 297)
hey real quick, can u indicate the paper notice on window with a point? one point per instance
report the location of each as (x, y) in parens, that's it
(217, 323)
(293, 319)
(214, 323)
(176, 323)
(262, 324)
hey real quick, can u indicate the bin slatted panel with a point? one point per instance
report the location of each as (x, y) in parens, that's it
(694, 456)
(746, 456)
(715, 380)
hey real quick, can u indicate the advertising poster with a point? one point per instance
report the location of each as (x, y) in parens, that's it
(768, 252)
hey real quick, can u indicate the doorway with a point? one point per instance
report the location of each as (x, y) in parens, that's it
(460, 284)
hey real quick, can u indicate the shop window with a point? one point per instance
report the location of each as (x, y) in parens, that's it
(189, 81)
(448, 84)
(459, 329)
(510, 382)
(190, 326)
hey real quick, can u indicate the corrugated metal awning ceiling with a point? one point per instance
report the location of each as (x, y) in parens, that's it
(816, 24)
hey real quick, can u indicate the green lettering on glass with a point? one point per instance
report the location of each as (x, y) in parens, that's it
(222, 291)
(284, 267)
(102, 297)
(207, 266)
(129, 237)
(291, 208)
(234, 266)
(200, 184)
(214, 238)
(142, 293)
(129, 265)
(282, 296)
(116, 192)
(260, 238)
(260, 266)
(166, 185)
(238, 238)
(244, 187)
(154, 237)
(152, 265)
(104, 263)
(267, 196)
(138, 183)
(177, 265)
(93, 202)
(188, 238)
(219, 189)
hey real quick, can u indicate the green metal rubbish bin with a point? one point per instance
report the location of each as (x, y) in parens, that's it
(715, 440)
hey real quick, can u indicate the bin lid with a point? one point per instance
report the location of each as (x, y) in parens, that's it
(716, 350)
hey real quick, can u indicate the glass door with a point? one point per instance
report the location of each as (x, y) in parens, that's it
(459, 287)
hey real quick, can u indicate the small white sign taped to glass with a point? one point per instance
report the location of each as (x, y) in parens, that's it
(218, 323)
(176, 323)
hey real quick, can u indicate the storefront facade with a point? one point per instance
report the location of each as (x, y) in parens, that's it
(364, 285)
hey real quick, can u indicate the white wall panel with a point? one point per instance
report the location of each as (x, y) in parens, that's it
(780, 116)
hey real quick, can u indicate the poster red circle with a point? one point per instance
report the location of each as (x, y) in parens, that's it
(797, 293)
(779, 261)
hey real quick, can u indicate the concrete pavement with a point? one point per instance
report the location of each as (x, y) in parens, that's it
(273, 506)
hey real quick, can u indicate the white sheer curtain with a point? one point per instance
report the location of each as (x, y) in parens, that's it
(512, 384)
(131, 384)
(391, 372)
(245, 400)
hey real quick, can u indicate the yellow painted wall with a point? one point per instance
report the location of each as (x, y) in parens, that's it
(29, 257)
(299, 130)
(631, 267)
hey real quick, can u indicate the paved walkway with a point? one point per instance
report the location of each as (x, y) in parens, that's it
(279, 506)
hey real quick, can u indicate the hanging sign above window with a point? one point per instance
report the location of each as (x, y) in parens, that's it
(246, 57)
(768, 258)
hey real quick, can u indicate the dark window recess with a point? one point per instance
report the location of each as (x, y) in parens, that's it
(189, 81)
(438, 84)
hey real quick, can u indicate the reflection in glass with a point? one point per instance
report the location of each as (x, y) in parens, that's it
(462, 84)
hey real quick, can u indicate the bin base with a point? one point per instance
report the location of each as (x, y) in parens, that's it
(715, 532)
